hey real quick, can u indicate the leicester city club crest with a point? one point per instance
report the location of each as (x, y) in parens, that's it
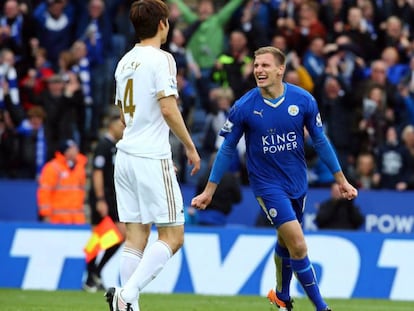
(293, 110)
(273, 212)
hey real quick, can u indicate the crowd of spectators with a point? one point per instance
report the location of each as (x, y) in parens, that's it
(57, 59)
(356, 57)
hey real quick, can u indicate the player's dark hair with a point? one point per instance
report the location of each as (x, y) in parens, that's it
(146, 15)
(277, 54)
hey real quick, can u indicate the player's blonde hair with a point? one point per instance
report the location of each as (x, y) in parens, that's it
(279, 56)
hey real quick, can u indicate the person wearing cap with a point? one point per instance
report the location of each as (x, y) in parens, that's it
(62, 101)
(61, 192)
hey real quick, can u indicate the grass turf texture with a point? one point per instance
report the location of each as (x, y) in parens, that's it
(25, 300)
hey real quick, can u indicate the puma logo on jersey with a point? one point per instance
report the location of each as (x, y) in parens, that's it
(259, 113)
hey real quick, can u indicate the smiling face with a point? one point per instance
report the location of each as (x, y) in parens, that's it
(268, 71)
(205, 9)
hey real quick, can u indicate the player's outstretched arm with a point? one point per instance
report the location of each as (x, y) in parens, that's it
(202, 200)
(347, 190)
(220, 166)
(325, 151)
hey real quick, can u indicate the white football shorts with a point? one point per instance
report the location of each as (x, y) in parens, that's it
(147, 190)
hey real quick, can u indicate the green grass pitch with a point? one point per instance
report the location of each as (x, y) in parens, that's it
(28, 300)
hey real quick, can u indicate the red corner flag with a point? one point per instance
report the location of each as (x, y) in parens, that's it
(105, 235)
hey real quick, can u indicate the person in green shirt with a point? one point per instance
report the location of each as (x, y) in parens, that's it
(205, 37)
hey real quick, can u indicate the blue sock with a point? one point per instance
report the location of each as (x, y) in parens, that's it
(283, 272)
(306, 275)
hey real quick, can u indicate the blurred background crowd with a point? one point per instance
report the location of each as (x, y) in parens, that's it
(57, 59)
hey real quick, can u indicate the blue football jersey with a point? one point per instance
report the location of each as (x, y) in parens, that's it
(274, 133)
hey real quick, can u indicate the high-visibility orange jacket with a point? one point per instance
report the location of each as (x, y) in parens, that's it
(61, 192)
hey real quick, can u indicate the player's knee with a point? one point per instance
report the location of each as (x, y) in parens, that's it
(298, 249)
(136, 242)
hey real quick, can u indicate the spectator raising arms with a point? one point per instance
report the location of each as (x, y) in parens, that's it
(205, 37)
(60, 101)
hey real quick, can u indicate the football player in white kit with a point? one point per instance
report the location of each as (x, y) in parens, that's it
(146, 185)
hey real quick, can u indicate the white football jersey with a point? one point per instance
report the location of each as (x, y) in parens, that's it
(143, 76)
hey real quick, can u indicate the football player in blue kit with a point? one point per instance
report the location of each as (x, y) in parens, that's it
(273, 117)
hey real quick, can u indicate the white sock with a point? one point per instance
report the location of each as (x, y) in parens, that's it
(153, 261)
(130, 259)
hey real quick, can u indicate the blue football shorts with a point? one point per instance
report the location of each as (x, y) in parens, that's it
(279, 208)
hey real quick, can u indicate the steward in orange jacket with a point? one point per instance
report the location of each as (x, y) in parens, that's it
(61, 192)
